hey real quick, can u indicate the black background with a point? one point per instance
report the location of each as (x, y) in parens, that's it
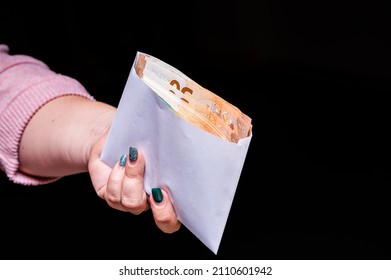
(314, 77)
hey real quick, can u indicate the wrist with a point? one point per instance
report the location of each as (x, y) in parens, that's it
(98, 125)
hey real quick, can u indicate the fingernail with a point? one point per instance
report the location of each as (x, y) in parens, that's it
(133, 153)
(157, 195)
(122, 160)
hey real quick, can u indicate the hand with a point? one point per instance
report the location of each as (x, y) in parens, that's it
(123, 187)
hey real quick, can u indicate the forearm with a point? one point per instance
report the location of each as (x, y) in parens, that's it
(57, 140)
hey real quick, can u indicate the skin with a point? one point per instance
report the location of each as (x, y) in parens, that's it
(66, 136)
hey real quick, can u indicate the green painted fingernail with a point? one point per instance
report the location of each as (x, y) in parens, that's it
(122, 160)
(133, 153)
(157, 195)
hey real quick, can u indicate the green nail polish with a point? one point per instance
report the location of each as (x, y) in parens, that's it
(122, 160)
(157, 195)
(133, 153)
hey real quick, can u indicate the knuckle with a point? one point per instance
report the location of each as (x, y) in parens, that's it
(113, 199)
(133, 204)
(165, 219)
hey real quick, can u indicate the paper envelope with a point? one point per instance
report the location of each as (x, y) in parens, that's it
(201, 171)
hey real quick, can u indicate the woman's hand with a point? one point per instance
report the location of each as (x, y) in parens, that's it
(123, 187)
(66, 137)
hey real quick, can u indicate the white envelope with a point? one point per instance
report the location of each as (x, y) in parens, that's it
(201, 171)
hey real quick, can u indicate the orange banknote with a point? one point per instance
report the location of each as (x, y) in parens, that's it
(191, 101)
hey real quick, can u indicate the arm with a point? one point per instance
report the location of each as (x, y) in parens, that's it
(26, 85)
(66, 136)
(51, 127)
(58, 139)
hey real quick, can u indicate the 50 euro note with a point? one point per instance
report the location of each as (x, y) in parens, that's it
(192, 102)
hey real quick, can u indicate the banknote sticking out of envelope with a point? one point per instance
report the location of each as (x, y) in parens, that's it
(194, 142)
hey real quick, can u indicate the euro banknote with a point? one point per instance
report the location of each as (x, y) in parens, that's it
(192, 102)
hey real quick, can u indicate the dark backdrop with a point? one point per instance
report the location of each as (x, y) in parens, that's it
(313, 76)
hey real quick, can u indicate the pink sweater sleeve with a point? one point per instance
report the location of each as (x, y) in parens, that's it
(26, 84)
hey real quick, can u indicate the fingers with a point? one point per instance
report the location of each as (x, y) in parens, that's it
(125, 186)
(163, 211)
(125, 192)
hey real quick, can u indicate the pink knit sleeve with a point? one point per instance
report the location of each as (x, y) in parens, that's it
(26, 84)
